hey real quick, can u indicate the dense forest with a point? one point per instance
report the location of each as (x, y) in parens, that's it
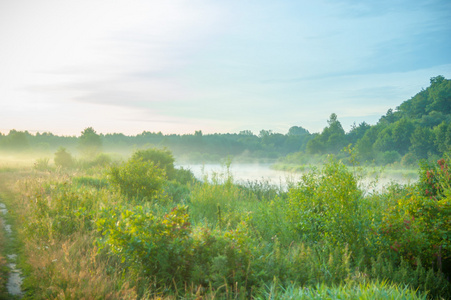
(417, 129)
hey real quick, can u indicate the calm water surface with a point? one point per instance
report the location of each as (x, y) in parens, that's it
(243, 173)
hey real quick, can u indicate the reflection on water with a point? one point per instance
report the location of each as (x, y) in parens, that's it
(243, 173)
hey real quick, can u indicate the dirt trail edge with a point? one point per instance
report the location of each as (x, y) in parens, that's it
(15, 278)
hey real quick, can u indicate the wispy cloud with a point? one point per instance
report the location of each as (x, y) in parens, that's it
(223, 65)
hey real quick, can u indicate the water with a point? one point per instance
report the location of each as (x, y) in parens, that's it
(14, 283)
(243, 173)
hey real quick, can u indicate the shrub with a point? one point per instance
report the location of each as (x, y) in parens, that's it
(41, 164)
(409, 160)
(58, 210)
(158, 247)
(388, 157)
(435, 179)
(328, 205)
(418, 225)
(138, 178)
(63, 158)
(161, 158)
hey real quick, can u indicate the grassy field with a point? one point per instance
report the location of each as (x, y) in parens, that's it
(142, 229)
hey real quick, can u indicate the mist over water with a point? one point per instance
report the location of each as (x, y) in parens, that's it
(243, 173)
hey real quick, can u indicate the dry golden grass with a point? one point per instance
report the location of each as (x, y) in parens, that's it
(73, 269)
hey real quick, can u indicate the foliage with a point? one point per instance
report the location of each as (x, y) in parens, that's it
(161, 158)
(60, 210)
(138, 178)
(419, 224)
(417, 128)
(425, 280)
(370, 290)
(63, 158)
(220, 203)
(327, 205)
(42, 164)
(83, 239)
(90, 181)
(160, 246)
(331, 140)
(90, 143)
(15, 141)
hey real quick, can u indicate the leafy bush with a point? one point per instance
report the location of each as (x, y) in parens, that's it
(409, 160)
(165, 247)
(388, 157)
(419, 224)
(327, 205)
(42, 164)
(435, 179)
(58, 210)
(100, 160)
(159, 246)
(138, 178)
(161, 158)
(184, 176)
(63, 158)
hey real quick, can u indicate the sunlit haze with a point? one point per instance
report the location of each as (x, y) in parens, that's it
(216, 66)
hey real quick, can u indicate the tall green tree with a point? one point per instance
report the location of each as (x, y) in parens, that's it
(402, 130)
(422, 142)
(442, 139)
(90, 143)
(440, 94)
(331, 140)
(16, 141)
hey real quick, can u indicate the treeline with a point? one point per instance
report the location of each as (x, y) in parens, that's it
(419, 128)
(195, 147)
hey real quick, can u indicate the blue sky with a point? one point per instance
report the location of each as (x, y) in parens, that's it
(216, 66)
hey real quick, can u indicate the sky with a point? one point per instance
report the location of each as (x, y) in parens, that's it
(220, 66)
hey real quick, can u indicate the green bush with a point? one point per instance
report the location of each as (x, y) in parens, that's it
(63, 158)
(388, 157)
(100, 160)
(328, 205)
(167, 249)
(159, 247)
(225, 258)
(42, 164)
(59, 210)
(418, 225)
(138, 178)
(409, 160)
(161, 158)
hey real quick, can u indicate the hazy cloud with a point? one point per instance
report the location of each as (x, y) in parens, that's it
(129, 66)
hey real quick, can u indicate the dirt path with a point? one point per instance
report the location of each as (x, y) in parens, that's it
(15, 278)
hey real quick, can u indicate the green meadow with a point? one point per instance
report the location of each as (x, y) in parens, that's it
(139, 228)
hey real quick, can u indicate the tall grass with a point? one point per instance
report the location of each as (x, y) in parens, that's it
(214, 239)
(365, 291)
